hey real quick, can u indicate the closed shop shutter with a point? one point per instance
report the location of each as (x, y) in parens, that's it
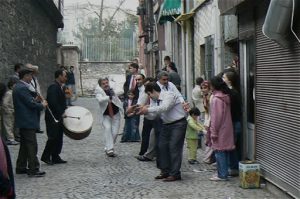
(277, 109)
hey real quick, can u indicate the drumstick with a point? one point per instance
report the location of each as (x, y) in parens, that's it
(72, 117)
(42, 98)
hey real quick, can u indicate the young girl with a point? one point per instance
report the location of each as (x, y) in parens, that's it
(131, 129)
(192, 132)
(221, 128)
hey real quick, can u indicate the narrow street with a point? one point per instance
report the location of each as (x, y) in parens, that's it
(90, 174)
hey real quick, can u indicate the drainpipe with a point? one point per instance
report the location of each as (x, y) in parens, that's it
(184, 51)
(218, 40)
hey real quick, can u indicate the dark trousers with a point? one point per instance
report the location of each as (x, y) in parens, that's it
(28, 151)
(171, 142)
(147, 127)
(55, 140)
(157, 125)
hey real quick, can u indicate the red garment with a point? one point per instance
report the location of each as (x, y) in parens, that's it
(3, 160)
(133, 83)
(110, 110)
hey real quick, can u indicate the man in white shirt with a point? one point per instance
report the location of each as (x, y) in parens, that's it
(165, 85)
(171, 138)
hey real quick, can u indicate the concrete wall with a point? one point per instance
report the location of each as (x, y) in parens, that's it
(203, 27)
(92, 71)
(27, 34)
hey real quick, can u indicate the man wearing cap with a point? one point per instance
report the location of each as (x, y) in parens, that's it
(27, 120)
(34, 84)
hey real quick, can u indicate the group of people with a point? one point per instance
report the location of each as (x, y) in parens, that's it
(219, 101)
(169, 119)
(21, 110)
(164, 124)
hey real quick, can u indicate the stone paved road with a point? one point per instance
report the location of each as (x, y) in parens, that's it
(89, 174)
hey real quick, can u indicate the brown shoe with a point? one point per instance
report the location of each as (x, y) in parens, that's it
(172, 178)
(161, 176)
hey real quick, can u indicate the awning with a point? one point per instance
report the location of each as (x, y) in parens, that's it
(184, 17)
(170, 9)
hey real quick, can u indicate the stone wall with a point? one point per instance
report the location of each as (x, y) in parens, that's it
(92, 71)
(27, 34)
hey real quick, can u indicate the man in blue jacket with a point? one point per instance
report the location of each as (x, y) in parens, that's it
(27, 108)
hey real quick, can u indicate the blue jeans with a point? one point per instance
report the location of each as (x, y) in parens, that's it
(222, 163)
(235, 155)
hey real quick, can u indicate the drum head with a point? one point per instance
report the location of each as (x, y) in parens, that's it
(78, 122)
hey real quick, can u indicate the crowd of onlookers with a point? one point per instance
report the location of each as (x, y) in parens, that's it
(213, 115)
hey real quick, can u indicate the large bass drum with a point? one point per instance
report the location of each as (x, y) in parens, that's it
(77, 122)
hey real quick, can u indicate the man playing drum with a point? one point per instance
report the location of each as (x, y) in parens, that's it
(110, 113)
(53, 117)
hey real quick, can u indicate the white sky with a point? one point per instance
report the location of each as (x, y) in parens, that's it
(129, 4)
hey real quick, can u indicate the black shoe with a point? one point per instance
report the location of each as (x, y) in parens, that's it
(37, 174)
(161, 176)
(192, 161)
(39, 131)
(21, 171)
(47, 161)
(59, 161)
(172, 178)
(143, 158)
(12, 142)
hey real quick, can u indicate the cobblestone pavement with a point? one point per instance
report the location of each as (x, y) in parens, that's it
(90, 174)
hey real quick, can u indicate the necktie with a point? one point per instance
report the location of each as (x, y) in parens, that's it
(110, 110)
(158, 102)
(148, 101)
(166, 87)
(133, 83)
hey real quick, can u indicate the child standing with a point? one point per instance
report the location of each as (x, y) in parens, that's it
(131, 129)
(192, 132)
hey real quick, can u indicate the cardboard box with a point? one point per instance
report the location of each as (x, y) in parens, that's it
(249, 173)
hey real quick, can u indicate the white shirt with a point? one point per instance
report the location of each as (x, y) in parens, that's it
(197, 98)
(169, 108)
(143, 97)
(172, 88)
(132, 79)
(34, 85)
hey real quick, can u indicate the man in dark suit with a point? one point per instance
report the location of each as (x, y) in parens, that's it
(26, 119)
(57, 104)
(130, 83)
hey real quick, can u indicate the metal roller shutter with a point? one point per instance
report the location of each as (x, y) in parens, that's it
(277, 110)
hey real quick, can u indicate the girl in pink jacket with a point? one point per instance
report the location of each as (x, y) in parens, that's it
(221, 128)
